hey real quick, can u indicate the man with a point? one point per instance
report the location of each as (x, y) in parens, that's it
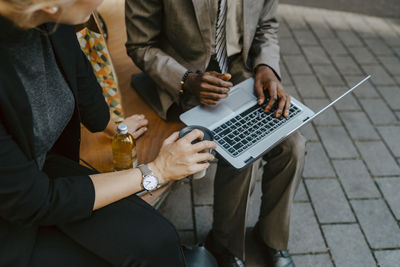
(186, 48)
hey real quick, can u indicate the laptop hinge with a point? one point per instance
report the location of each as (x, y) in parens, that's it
(248, 160)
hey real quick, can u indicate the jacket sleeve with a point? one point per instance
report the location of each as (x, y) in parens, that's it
(144, 25)
(29, 197)
(265, 48)
(93, 109)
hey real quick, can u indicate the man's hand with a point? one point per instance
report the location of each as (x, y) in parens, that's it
(209, 87)
(266, 80)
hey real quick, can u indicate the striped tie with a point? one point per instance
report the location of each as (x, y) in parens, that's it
(220, 38)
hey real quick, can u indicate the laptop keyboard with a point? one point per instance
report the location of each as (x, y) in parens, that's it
(248, 128)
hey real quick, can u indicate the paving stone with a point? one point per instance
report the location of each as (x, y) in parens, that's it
(388, 258)
(204, 215)
(177, 203)
(328, 75)
(378, 158)
(295, 21)
(334, 47)
(397, 51)
(379, 76)
(349, 38)
(365, 90)
(285, 77)
(337, 143)
(348, 246)
(359, 25)
(318, 260)
(305, 235)
(391, 63)
(305, 37)
(394, 23)
(378, 111)
(362, 55)
(390, 188)
(391, 40)
(378, 47)
(392, 95)
(320, 28)
(203, 189)
(187, 237)
(327, 196)
(355, 179)
(346, 65)
(301, 194)
(308, 86)
(309, 133)
(288, 46)
(284, 31)
(254, 205)
(383, 30)
(338, 22)
(347, 103)
(316, 55)
(391, 135)
(316, 162)
(292, 91)
(379, 25)
(329, 117)
(380, 233)
(297, 64)
(358, 125)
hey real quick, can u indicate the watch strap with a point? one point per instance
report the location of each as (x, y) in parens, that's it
(145, 170)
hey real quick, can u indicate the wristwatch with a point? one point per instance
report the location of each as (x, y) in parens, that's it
(150, 180)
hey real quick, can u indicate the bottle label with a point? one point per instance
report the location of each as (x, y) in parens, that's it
(134, 157)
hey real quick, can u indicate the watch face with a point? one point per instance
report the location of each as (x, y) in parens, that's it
(150, 182)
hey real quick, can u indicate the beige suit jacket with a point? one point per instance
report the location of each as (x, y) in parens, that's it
(168, 37)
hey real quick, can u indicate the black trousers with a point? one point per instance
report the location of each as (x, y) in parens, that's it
(128, 232)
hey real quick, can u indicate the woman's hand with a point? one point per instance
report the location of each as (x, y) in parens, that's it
(137, 125)
(180, 158)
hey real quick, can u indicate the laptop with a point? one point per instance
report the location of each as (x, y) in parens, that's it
(242, 130)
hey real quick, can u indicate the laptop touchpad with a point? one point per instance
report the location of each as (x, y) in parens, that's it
(238, 99)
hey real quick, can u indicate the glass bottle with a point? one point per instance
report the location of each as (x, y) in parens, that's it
(123, 149)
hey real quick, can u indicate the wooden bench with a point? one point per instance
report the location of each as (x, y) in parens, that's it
(96, 148)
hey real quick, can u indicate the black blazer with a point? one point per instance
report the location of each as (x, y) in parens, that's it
(28, 197)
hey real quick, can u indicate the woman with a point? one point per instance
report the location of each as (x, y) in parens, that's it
(54, 212)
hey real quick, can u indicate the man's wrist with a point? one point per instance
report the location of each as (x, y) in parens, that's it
(183, 88)
(265, 68)
(262, 67)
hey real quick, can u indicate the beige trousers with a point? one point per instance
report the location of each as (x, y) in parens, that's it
(280, 180)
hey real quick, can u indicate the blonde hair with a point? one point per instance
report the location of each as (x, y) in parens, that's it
(21, 12)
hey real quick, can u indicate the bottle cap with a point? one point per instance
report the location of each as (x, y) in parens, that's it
(122, 128)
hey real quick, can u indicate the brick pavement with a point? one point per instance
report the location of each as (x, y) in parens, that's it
(347, 208)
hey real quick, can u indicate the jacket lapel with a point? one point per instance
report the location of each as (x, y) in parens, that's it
(202, 11)
(16, 106)
(66, 63)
